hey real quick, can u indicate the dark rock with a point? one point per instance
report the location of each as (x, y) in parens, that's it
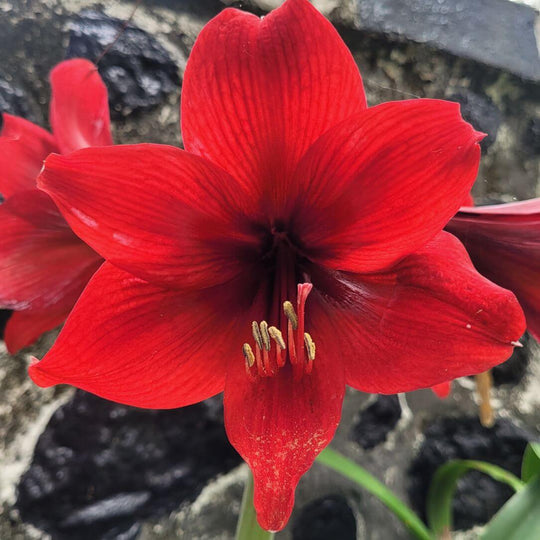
(117, 506)
(99, 468)
(137, 70)
(498, 33)
(4, 316)
(13, 101)
(325, 518)
(514, 369)
(477, 497)
(376, 421)
(531, 137)
(479, 111)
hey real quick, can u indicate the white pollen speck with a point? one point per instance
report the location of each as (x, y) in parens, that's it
(468, 327)
(87, 220)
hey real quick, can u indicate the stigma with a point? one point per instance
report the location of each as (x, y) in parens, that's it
(272, 350)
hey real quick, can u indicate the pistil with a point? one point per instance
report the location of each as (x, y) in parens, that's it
(298, 349)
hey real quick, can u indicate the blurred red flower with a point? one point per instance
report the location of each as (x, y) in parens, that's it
(43, 266)
(503, 242)
(299, 229)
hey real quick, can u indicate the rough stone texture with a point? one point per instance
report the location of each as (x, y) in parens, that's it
(513, 370)
(531, 136)
(324, 518)
(34, 35)
(13, 101)
(498, 33)
(4, 316)
(481, 112)
(376, 421)
(100, 467)
(477, 497)
(138, 71)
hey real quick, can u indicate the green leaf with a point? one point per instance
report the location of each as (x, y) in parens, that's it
(443, 486)
(363, 478)
(531, 462)
(248, 528)
(519, 518)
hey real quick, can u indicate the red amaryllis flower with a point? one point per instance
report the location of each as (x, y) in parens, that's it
(294, 248)
(43, 265)
(503, 242)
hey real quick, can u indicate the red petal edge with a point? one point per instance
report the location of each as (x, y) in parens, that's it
(145, 346)
(431, 319)
(384, 182)
(257, 92)
(79, 109)
(279, 425)
(23, 147)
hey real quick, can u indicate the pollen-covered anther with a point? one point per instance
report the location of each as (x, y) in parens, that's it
(290, 314)
(248, 354)
(277, 336)
(310, 346)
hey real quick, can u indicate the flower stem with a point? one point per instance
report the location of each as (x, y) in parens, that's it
(248, 528)
(351, 470)
(484, 383)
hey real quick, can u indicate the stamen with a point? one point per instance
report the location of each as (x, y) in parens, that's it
(256, 334)
(297, 347)
(277, 336)
(310, 346)
(290, 314)
(248, 354)
(265, 335)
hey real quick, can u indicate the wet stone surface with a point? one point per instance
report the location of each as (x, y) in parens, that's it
(137, 69)
(376, 422)
(477, 497)
(100, 468)
(329, 517)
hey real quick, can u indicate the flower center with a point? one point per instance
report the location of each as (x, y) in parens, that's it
(272, 349)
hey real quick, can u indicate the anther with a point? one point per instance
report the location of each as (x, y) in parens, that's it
(256, 334)
(248, 354)
(310, 346)
(290, 314)
(265, 335)
(276, 335)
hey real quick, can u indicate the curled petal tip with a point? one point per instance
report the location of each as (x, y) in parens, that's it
(479, 136)
(39, 376)
(34, 361)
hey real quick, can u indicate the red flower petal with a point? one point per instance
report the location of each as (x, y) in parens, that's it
(280, 425)
(258, 92)
(380, 185)
(42, 263)
(442, 390)
(79, 110)
(158, 212)
(503, 242)
(432, 319)
(468, 201)
(25, 327)
(144, 346)
(23, 147)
